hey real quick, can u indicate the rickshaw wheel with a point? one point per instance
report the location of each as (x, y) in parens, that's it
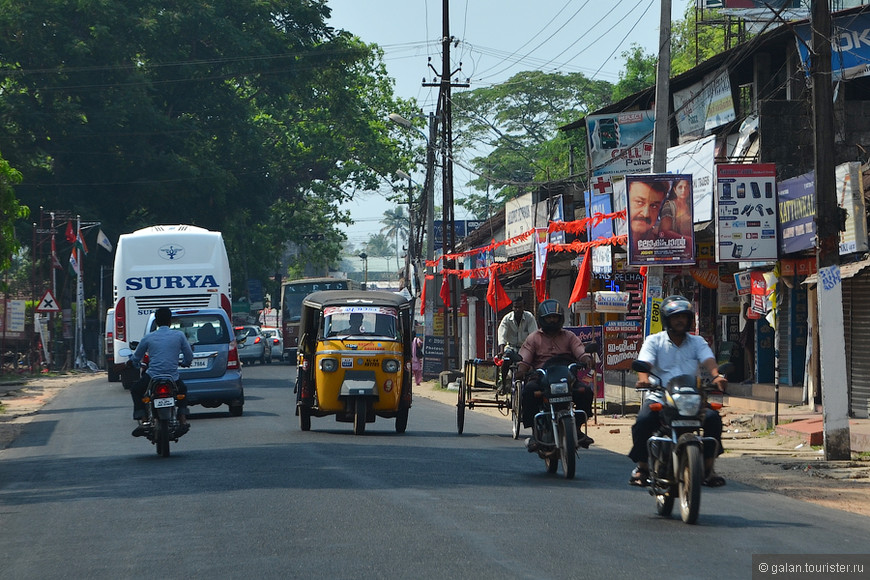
(516, 415)
(304, 418)
(460, 408)
(402, 420)
(359, 416)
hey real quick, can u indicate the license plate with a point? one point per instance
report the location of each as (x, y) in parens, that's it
(199, 363)
(164, 402)
(685, 423)
(561, 399)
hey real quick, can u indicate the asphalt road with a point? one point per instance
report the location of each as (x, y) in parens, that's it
(255, 497)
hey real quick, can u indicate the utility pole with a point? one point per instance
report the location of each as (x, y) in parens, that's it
(661, 140)
(835, 396)
(445, 107)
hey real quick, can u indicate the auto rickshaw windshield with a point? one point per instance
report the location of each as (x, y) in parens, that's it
(360, 321)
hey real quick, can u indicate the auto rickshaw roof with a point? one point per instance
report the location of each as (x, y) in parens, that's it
(357, 297)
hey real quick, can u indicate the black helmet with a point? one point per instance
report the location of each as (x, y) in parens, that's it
(548, 308)
(675, 304)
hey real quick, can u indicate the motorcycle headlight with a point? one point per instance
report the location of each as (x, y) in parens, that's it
(687, 405)
(559, 388)
(390, 365)
(328, 365)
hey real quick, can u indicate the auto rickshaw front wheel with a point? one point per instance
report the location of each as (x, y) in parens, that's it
(359, 415)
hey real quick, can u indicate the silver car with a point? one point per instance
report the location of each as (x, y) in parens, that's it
(214, 378)
(273, 335)
(253, 345)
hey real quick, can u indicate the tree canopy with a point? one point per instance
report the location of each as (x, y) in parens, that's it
(246, 118)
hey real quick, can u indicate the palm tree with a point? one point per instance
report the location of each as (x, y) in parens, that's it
(378, 245)
(396, 225)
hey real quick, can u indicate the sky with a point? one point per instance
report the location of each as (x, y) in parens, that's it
(495, 39)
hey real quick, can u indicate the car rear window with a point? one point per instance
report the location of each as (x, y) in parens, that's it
(202, 328)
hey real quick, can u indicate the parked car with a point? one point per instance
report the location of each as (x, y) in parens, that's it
(214, 378)
(274, 336)
(253, 345)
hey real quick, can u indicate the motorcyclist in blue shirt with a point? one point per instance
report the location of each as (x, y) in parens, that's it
(163, 347)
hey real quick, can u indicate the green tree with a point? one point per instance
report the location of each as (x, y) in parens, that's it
(378, 245)
(516, 123)
(10, 210)
(396, 226)
(639, 73)
(227, 115)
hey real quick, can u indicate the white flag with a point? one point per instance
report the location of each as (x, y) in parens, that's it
(103, 240)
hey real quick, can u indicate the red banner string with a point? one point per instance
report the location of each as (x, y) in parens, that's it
(573, 227)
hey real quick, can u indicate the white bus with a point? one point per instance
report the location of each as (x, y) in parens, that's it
(177, 266)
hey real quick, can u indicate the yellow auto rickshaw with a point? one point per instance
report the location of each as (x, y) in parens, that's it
(354, 358)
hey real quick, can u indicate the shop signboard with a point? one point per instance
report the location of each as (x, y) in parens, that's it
(746, 212)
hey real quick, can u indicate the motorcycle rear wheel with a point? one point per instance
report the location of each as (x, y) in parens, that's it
(568, 446)
(691, 475)
(163, 438)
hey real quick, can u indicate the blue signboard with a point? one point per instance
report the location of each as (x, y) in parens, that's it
(796, 199)
(461, 228)
(850, 48)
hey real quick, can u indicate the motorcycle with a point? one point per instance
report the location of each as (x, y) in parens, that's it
(677, 450)
(161, 400)
(554, 431)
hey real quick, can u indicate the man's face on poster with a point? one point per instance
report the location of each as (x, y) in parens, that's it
(644, 205)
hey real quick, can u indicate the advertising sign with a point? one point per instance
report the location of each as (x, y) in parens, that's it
(611, 301)
(796, 198)
(660, 219)
(518, 220)
(746, 212)
(619, 353)
(620, 143)
(851, 46)
(698, 159)
(850, 196)
(461, 228)
(705, 105)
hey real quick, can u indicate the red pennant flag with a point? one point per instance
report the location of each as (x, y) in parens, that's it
(495, 294)
(581, 285)
(445, 291)
(541, 287)
(70, 235)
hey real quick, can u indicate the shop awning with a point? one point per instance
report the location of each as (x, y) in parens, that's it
(846, 271)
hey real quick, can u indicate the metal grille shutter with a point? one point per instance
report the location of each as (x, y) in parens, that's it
(858, 324)
(783, 336)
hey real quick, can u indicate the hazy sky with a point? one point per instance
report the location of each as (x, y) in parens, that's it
(495, 39)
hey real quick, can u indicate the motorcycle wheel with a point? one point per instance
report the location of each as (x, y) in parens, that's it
(691, 475)
(568, 446)
(552, 463)
(163, 438)
(460, 408)
(516, 415)
(359, 416)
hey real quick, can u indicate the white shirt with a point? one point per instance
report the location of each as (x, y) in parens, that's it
(512, 334)
(669, 360)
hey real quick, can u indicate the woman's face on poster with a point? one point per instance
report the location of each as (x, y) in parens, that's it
(682, 189)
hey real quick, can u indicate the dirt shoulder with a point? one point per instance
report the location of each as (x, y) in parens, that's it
(753, 457)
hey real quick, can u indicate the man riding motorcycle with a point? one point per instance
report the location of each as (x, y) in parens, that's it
(548, 342)
(163, 347)
(673, 352)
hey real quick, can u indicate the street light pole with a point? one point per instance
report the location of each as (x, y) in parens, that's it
(427, 212)
(409, 255)
(365, 259)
